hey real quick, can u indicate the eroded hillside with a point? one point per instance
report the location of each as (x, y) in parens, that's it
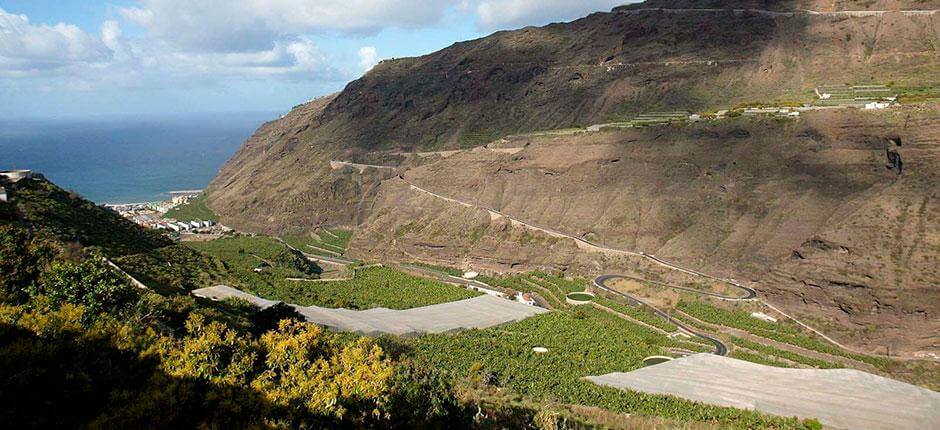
(804, 209)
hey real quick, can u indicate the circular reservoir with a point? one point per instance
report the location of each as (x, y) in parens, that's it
(581, 298)
(656, 359)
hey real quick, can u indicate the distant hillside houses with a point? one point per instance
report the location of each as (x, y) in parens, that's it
(181, 226)
(14, 176)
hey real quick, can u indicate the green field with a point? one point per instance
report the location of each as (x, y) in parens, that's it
(780, 332)
(196, 209)
(326, 242)
(371, 288)
(583, 342)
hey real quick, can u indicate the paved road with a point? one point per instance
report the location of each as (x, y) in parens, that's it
(601, 283)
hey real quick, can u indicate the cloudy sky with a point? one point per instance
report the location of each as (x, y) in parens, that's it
(89, 57)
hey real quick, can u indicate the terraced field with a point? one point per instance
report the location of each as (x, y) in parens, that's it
(580, 342)
(371, 287)
(257, 265)
(329, 243)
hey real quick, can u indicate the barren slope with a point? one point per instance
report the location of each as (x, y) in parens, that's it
(805, 209)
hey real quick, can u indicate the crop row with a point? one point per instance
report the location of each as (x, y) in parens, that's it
(372, 287)
(582, 342)
(776, 331)
(637, 313)
(788, 355)
(741, 354)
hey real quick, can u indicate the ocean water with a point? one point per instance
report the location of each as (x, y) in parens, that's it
(127, 160)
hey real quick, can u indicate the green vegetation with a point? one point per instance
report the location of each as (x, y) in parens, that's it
(248, 253)
(908, 95)
(741, 354)
(637, 313)
(780, 332)
(195, 209)
(372, 287)
(443, 269)
(175, 269)
(67, 218)
(327, 242)
(584, 342)
(83, 348)
(266, 267)
(770, 351)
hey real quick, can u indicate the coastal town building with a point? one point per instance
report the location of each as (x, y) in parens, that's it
(15, 176)
(3, 195)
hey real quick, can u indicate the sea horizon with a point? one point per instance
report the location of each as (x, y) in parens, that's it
(119, 159)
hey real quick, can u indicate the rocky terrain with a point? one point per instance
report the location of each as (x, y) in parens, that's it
(805, 209)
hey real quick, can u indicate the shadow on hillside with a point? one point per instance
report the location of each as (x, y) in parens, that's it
(65, 382)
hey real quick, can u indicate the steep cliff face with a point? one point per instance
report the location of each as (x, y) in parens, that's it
(805, 208)
(602, 67)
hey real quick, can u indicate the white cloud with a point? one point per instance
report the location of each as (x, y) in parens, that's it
(368, 58)
(203, 42)
(28, 48)
(255, 25)
(508, 14)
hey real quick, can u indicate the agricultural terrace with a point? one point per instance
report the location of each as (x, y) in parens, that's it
(371, 287)
(258, 265)
(781, 331)
(554, 289)
(329, 243)
(580, 342)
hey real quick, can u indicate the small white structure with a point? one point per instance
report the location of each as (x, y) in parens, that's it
(173, 226)
(877, 105)
(470, 275)
(195, 224)
(183, 226)
(539, 349)
(763, 317)
(525, 298)
(3, 195)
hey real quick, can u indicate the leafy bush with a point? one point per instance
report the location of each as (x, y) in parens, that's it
(91, 283)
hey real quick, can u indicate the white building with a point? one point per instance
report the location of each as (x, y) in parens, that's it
(173, 226)
(877, 105)
(525, 298)
(183, 226)
(3, 195)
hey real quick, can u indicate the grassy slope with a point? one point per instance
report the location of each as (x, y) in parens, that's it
(196, 209)
(69, 218)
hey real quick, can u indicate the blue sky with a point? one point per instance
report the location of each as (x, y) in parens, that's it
(65, 58)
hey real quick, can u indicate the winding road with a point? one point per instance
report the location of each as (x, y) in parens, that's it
(600, 283)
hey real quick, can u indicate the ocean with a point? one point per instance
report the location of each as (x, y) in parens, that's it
(127, 160)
